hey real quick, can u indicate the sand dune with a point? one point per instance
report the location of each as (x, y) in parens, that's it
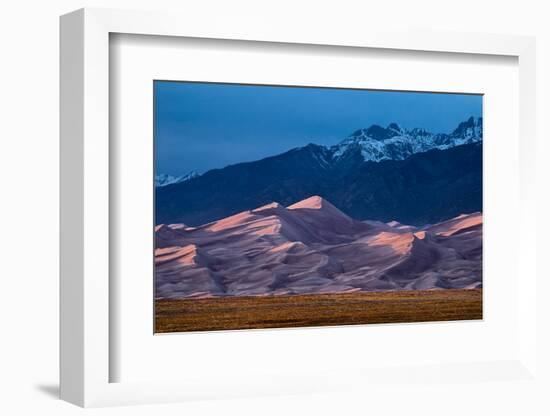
(312, 247)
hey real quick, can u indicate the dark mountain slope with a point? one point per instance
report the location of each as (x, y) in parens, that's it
(424, 188)
(285, 178)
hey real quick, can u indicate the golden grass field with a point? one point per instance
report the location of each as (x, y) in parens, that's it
(248, 312)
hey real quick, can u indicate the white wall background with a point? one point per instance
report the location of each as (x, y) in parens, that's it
(29, 205)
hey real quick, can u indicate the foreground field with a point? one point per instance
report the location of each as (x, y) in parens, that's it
(248, 312)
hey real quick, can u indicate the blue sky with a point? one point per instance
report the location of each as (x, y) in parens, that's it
(201, 126)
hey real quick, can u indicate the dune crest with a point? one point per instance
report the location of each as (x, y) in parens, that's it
(313, 202)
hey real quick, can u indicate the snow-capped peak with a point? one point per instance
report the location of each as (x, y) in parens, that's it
(164, 179)
(395, 128)
(470, 128)
(376, 132)
(393, 142)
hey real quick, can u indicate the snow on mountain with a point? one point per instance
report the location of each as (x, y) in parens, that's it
(393, 142)
(164, 179)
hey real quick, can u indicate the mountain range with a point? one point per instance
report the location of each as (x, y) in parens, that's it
(165, 179)
(396, 143)
(313, 247)
(378, 173)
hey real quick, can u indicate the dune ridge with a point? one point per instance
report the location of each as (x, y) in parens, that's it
(313, 247)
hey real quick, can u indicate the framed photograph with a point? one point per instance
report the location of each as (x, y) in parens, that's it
(267, 212)
(258, 225)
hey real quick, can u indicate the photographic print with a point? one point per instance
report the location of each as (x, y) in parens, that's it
(289, 206)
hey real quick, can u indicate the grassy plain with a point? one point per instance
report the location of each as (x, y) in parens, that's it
(250, 312)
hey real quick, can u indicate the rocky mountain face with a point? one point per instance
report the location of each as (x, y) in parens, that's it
(396, 143)
(379, 173)
(313, 247)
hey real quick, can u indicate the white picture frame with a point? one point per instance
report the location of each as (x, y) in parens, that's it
(85, 210)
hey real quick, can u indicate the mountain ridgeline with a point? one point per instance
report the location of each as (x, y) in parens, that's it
(164, 179)
(379, 173)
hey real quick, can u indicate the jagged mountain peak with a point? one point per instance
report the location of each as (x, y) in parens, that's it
(472, 126)
(164, 179)
(377, 132)
(393, 142)
(395, 128)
